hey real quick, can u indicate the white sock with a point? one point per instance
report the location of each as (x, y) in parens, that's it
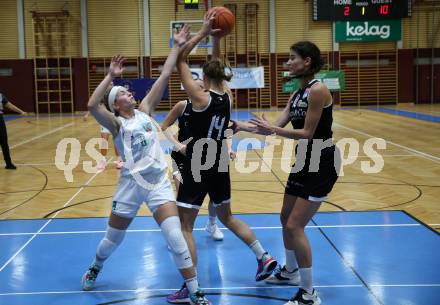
(257, 248)
(212, 220)
(192, 284)
(212, 213)
(306, 279)
(291, 263)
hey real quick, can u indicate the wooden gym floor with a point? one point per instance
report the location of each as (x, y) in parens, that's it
(409, 180)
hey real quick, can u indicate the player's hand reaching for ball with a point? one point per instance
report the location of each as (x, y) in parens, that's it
(207, 25)
(116, 66)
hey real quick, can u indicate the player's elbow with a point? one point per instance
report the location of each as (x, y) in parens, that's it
(91, 105)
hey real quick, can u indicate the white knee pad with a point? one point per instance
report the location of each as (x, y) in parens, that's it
(112, 239)
(171, 229)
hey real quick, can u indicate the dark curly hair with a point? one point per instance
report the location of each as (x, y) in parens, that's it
(309, 49)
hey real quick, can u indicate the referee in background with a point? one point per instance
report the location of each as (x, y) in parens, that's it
(4, 103)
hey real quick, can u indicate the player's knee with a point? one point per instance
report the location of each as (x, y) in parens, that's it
(177, 242)
(173, 234)
(283, 219)
(187, 227)
(226, 219)
(112, 239)
(294, 226)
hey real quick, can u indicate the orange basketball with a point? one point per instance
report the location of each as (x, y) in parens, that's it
(224, 20)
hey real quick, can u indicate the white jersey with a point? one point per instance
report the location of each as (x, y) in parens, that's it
(139, 146)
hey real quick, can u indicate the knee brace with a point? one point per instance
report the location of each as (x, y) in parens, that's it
(112, 239)
(172, 231)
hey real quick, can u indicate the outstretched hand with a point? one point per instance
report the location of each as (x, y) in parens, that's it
(181, 37)
(116, 65)
(262, 126)
(207, 29)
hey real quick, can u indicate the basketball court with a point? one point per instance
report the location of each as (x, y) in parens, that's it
(374, 241)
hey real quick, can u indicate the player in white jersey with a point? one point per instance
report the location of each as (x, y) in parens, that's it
(105, 135)
(144, 175)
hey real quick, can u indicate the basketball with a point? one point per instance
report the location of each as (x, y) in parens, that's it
(224, 20)
(150, 110)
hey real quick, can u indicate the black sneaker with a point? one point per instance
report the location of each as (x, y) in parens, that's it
(10, 166)
(302, 297)
(283, 277)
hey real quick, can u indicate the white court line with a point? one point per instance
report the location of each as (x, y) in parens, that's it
(36, 164)
(405, 285)
(41, 135)
(348, 156)
(45, 225)
(54, 164)
(247, 158)
(145, 291)
(203, 229)
(414, 151)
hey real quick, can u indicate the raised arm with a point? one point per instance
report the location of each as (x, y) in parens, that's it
(101, 114)
(216, 48)
(153, 98)
(195, 93)
(216, 55)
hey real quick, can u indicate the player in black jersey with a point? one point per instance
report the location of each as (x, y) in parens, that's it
(310, 111)
(181, 112)
(208, 118)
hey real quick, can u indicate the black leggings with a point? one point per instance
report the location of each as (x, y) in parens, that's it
(4, 141)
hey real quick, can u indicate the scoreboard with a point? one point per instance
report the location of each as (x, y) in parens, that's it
(350, 10)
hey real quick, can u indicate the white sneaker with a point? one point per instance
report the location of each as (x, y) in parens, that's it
(283, 277)
(214, 231)
(302, 297)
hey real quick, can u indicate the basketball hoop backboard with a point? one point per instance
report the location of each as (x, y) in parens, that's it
(195, 27)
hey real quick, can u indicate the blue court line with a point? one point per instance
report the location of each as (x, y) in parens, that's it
(241, 115)
(409, 114)
(11, 117)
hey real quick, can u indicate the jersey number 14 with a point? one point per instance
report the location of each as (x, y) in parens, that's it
(216, 123)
